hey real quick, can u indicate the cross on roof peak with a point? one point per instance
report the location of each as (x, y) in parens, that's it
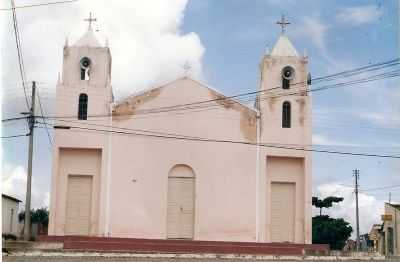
(283, 23)
(90, 20)
(186, 67)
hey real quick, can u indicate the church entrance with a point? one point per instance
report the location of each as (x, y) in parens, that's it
(79, 198)
(181, 199)
(282, 212)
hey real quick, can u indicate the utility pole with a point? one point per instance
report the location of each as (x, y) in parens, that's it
(356, 174)
(31, 118)
(390, 197)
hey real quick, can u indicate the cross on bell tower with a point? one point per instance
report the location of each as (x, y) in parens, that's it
(186, 67)
(283, 23)
(90, 20)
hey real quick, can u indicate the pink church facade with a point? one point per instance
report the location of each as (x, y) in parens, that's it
(144, 167)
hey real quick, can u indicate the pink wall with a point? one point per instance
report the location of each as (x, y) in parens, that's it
(225, 173)
(232, 189)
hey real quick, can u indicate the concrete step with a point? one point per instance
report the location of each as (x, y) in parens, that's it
(179, 248)
(113, 244)
(22, 246)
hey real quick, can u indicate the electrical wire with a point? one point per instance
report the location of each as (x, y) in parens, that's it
(44, 120)
(5, 137)
(180, 135)
(197, 105)
(35, 5)
(14, 118)
(232, 99)
(232, 142)
(379, 188)
(19, 52)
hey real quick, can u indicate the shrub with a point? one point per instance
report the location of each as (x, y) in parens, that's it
(8, 236)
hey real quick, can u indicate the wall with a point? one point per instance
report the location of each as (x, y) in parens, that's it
(395, 224)
(100, 96)
(225, 172)
(288, 170)
(276, 138)
(9, 222)
(75, 162)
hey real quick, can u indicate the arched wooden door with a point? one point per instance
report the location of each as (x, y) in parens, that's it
(181, 203)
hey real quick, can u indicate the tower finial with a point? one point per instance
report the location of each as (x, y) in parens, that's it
(283, 23)
(186, 67)
(90, 20)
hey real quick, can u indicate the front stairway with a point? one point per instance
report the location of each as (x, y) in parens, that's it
(112, 244)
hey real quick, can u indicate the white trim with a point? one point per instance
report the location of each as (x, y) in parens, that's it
(258, 177)
(108, 179)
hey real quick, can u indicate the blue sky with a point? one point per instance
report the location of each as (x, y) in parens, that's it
(225, 42)
(236, 34)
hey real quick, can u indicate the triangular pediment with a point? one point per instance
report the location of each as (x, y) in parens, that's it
(130, 103)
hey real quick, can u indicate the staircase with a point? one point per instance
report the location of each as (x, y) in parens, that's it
(112, 244)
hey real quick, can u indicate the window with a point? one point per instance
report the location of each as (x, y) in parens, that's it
(85, 68)
(286, 114)
(287, 75)
(82, 107)
(285, 83)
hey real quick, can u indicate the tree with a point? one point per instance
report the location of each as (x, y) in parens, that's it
(39, 216)
(325, 203)
(327, 230)
(332, 231)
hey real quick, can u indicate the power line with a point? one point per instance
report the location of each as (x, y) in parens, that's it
(86, 123)
(5, 137)
(302, 83)
(35, 5)
(19, 52)
(44, 120)
(380, 188)
(196, 105)
(232, 142)
(14, 118)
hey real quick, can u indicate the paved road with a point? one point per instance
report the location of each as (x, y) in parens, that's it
(121, 259)
(153, 259)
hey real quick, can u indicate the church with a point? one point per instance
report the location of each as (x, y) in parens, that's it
(182, 160)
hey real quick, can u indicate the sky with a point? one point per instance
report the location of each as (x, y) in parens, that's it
(224, 42)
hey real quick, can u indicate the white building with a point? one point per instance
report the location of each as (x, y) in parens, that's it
(390, 232)
(9, 214)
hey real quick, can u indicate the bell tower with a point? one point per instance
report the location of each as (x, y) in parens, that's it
(284, 100)
(86, 77)
(284, 180)
(81, 156)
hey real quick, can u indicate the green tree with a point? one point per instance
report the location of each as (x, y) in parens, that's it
(40, 216)
(327, 230)
(325, 203)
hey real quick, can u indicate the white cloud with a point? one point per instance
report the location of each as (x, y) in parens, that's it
(369, 207)
(14, 184)
(383, 119)
(147, 45)
(145, 38)
(312, 28)
(359, 15)
(318, 139)
(321, 140)
(315, 30)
